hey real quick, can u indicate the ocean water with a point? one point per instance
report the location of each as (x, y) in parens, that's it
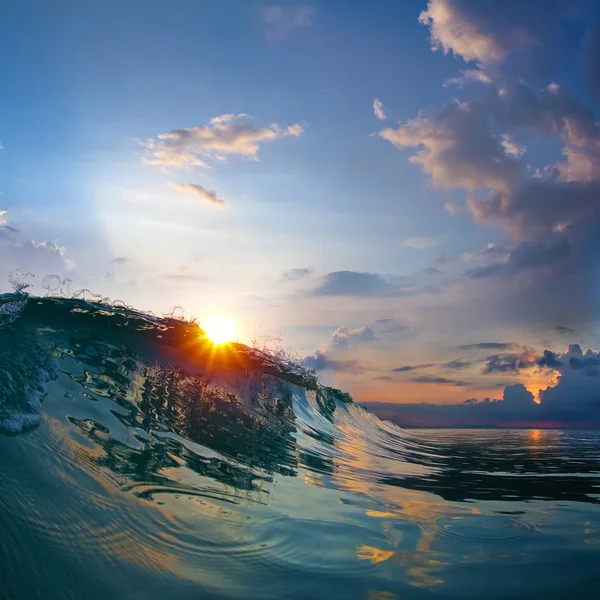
(138, 461)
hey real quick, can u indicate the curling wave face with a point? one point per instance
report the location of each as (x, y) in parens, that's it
(138, 460)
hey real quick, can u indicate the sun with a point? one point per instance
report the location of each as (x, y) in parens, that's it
(219, 329)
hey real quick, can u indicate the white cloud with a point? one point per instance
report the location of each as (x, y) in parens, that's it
(345, 336)
(454, 30)
(421, 242)
(226, 135)
(468, 76)
(283, 20)
(200, 192)
(379, 109)
(452, 208)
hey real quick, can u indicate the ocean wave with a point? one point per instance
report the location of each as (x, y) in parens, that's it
(134, 450)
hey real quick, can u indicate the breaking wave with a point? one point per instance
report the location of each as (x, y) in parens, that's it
(139, 460)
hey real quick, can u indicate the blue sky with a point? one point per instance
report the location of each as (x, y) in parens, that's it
(464, 213)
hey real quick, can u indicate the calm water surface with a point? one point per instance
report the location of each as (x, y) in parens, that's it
(134, 464)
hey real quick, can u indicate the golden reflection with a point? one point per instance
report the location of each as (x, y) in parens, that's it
(381, 595)
(375, 555)
(534, 436)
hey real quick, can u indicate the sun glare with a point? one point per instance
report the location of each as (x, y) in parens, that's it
(219, 329)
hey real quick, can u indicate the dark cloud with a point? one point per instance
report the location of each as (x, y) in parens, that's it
(527, 255)
(489, 346)
(351, 283)
(514, 362)
(120, 260)
(509, 363)
(483, 272)
(439, 381)
(564, 330)
(572, 401)
(407, 368)
(296, 274)
(320, 361)
(457, 365)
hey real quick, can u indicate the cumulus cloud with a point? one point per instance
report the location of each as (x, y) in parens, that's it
(322, 361)
(479, 144)
(379, 109)
(351, 283)
(457, 148)
(225, 135)
(283, 20)
(333, 355)
(510, 363)
(488, 32)
(200, 192)
(296, 274)
(344, 336)
(572, 399)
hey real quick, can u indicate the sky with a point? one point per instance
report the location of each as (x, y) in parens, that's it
(405, 196)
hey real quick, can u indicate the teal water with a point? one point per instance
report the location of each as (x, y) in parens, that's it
(138, 461)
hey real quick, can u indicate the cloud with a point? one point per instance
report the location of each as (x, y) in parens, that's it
(197, 190)
(489, 33)
(407, 368)
(283, 20)
(488, 346)
(564, 330)
(321, 361)
(225, 135)
(479, 142)
(491, 251)
(421, 242)
(296, 274)
(458, 365)
(344, 336)
(439, 381)
(351, 283)
(457, 148)
(120, 260)
(468, 76)
(510, 363)
(527, 255)
(572, 399)
(452, 208)
(343, 340)
(379, 110)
